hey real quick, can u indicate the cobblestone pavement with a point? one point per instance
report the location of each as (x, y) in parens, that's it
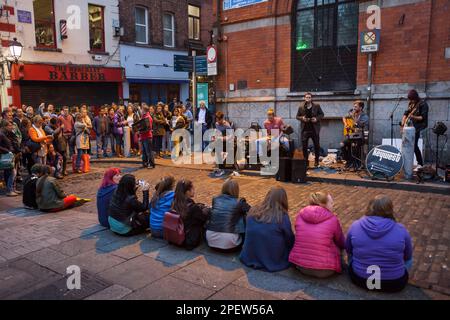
(36, 249)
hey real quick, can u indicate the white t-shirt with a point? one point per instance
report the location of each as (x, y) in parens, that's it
(130, 121)
(202, 116)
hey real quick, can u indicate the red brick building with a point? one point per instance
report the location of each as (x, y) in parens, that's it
(272, 51)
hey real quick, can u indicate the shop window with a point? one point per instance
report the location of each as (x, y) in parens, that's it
(325, 45)
(96, 28)
(169, 30)
(194, 22)
(44, 21)
(141, 24)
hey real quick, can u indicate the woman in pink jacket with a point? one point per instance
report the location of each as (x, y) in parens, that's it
(318, 238)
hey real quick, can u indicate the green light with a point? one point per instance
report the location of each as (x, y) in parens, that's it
(301, 45)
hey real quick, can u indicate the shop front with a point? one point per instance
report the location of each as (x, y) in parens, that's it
(65, 84)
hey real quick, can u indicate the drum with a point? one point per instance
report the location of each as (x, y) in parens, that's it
(384, 161)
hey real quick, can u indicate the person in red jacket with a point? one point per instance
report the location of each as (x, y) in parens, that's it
(146, 138)
(318, 238)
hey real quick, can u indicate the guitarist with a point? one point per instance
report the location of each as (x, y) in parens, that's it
(361, 121)
(417, 114)
(309, 114)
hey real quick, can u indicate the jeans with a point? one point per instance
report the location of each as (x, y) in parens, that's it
(147, 152)
(158, 144)
(119, 139)
(79, 153)
(166, 143)
(109, 139)
(10, 178)
(101, 144)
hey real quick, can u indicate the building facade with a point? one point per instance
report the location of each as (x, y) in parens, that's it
(273, 51)
(155, 31)
(70, 52)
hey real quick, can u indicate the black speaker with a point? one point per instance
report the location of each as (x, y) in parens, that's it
(284, 171)
(299, 170)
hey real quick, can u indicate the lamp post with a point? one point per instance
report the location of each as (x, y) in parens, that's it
(15, 53)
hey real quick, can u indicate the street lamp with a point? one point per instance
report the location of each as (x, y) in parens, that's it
(15, 52)
(15, 49)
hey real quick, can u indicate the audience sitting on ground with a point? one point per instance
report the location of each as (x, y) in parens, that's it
(194, 215)
(127, 215)
(378, 240)
(29, 186)
(160, 204)
(226, 227)
(49, 195)
(109, 184)
(318, 238)
(268, 234)
(55, 160)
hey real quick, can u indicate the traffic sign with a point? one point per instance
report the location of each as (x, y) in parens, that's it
(370, 41)
(211, 54)
(201, 67)
(182, 63)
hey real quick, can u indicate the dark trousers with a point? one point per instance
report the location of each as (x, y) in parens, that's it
(147, 152)
(306, 135)
(351, 151)
(395, 285)
(416, 148)
(158, 144)
(140, 224)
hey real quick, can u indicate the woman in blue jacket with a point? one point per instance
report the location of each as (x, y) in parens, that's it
(268, 234)
(109, 185)
(161, 203)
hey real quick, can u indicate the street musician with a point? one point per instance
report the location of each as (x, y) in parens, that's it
(355, 123)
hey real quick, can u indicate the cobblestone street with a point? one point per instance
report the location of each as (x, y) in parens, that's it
(35, 248)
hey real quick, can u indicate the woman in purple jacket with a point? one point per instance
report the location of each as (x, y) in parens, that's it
(379, 246)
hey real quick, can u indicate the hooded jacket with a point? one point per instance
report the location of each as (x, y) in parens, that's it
(162, 206)
(104, 196)
(318, 240)
(379, 241)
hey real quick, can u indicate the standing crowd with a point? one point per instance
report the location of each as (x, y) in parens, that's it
(50, 137)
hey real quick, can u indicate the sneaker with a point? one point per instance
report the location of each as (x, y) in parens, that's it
(236, 174)
(78, 171)
(220, 173)
(18, 192)
(12, 194)
(418, 167)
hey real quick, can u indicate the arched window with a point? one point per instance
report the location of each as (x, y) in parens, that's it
(325, 45)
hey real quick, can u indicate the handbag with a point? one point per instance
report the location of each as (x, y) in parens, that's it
(7, 161)
(173, 228)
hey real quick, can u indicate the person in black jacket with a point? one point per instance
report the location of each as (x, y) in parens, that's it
(194, 215)
(309, 114)
(127, 215)
(9, 143)
(203, 120)
(417, 113)
(226, 227)
(29, 186)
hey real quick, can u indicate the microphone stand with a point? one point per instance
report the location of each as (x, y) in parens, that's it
(392, 120)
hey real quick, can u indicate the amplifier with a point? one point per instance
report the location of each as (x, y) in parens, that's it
(447, 173)
(299, 168)
(284, 171)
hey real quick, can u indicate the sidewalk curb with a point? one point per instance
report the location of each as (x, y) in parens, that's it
(404, 186)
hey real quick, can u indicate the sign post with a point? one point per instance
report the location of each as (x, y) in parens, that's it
(194, 85)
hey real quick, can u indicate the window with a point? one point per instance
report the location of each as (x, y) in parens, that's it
(169, 30)
(44, 19)
(325, 45)
(96, 28)
(194, 22)
(141, 18)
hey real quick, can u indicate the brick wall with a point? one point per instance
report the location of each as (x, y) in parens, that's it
(156, 10)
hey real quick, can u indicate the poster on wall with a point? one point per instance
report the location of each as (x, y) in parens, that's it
(202, 93)
(234, 4)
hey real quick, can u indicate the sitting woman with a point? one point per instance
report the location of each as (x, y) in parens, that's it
(318, 238)
(378, 240)
(268, 234)
(226, 227)
(194, 215)
(109, 184)
(29, 187)
(55, 160)
(49, 196)
(127, 215)
(161, 203)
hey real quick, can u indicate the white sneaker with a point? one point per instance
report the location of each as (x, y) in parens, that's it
(236, 174)
(418, 167)
(220, 173)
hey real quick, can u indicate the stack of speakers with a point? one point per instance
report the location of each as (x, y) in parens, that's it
(292, 170)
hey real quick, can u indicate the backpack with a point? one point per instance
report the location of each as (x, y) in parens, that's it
(173, 228)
